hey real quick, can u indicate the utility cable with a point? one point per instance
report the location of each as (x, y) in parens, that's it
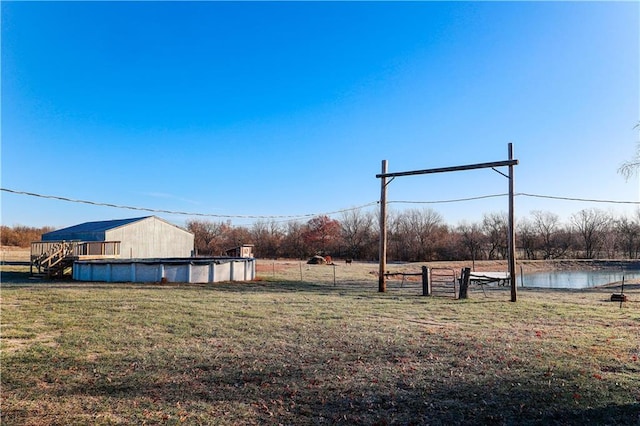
(224, 216)
(456, 200)
(307, 215)
(589, 200)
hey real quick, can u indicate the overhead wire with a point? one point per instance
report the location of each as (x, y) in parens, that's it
(588, 200)
(223, 216)
(308, 215)
(519, 194)
(455, 200)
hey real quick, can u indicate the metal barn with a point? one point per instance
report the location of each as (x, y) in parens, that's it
(146, 237)
(141, 238)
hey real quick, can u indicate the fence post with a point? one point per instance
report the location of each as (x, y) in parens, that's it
(464, 283)
(334, 273)
(426, 281)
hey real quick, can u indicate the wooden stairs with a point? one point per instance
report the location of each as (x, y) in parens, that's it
(55, 262)
(54, 259)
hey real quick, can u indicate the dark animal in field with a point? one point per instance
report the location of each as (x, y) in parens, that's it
(348, 261)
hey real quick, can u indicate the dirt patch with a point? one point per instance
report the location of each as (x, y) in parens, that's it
(266, 266)
(14, 344)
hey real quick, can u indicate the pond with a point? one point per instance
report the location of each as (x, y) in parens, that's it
(575, 279)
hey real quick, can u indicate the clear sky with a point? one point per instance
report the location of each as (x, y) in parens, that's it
(288, 108)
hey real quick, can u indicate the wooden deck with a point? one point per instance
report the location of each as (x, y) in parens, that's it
(55, 258)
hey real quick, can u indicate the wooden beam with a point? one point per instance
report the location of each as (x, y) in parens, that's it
(510, 162)
(511, 225)
(512, 231)
(382, 285)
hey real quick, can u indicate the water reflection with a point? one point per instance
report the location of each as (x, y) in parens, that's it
(575, 279)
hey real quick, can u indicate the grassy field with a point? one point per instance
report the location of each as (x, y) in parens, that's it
(285, 351)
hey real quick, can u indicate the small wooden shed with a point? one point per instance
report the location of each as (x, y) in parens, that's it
(244, 250)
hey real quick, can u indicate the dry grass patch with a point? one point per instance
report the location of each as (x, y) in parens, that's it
(289, 352)
(14, 254)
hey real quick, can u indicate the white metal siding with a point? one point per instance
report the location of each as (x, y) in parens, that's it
(151, 238)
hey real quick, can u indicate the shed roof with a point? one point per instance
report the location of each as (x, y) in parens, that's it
(99, 226)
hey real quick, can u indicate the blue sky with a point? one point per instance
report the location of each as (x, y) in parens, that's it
(288, 108)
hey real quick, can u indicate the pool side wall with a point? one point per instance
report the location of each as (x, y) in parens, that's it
(187, 270)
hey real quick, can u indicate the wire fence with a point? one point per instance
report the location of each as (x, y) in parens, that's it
(401, 278)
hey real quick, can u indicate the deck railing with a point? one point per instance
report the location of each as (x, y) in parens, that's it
(75, 248)
(53, 257)
(97, 248)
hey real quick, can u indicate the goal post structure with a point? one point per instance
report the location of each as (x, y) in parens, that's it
(511, 240)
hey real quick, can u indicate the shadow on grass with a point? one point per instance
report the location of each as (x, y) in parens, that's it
(22, 279)
(490, 294)
(18, 277)
(318, 383)
(298, 394)
(458, 404)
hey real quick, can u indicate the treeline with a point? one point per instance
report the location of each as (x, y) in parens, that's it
(21, 236)
(423, 235)
(413, 235)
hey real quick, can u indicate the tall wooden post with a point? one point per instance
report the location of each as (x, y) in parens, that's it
(511, 227)
(465, 277)
(512, 232)
(382, 285)
(426, 281)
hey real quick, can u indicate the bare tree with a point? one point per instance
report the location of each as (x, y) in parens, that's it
(234, 236)
(267, 237)
(628, 232)
(208, 236)
(610, 241)
(472, 239)
(415, 234)
(356, 229)
(449, 246)
(547, 226)
(494, 226)
(396, 235)
(630, 168)
(293, 245)
(528, 238)
(421, 228)
(590, 225)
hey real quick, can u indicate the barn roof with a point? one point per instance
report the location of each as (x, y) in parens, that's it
(99, 226)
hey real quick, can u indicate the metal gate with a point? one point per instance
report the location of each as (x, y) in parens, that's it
(443, 282)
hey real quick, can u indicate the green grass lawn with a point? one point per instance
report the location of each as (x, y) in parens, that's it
(285, 352)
